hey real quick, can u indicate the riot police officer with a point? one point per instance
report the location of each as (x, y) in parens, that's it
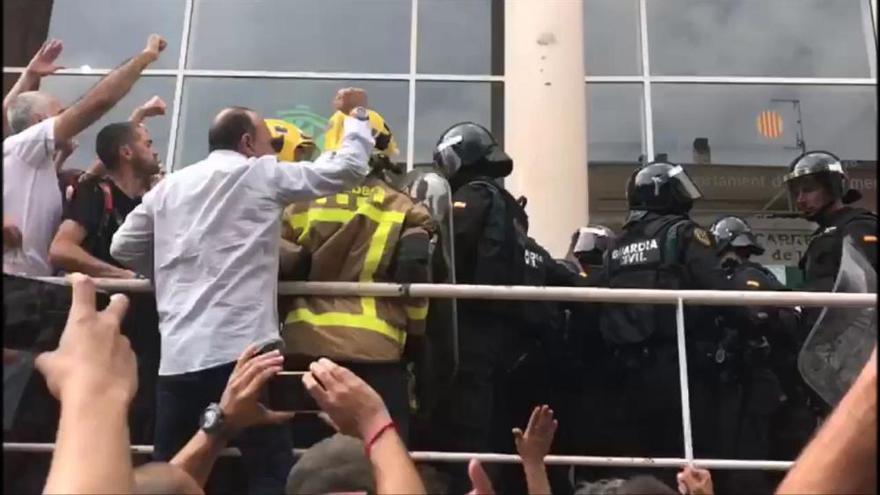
(758, 344)
(660, 247)
(818, 188)
(817, 185)
(496, 338)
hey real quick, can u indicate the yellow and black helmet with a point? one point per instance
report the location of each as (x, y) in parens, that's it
(289, 142)
(385, 143)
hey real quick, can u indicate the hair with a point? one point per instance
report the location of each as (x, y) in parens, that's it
(21, 110)
(229, 126)
(110, 139)
(335, 464)
(644, 485)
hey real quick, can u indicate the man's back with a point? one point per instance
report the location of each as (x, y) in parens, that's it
(214, 227)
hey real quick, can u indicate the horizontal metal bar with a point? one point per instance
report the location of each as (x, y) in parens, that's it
(264, 74)
(394, 76)
(818, 81)
(642, 296)
(568, 460)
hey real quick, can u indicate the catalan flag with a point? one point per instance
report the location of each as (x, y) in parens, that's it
(769, 124)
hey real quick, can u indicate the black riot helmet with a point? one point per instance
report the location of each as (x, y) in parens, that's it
(735, 233)
(661, 187)
(471, 147)
(588, 244)
(826, 168)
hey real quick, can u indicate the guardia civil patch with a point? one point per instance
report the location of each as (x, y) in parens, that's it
(702, 237)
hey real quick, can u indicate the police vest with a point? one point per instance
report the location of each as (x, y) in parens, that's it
(821, 261)
(646, 256)
(507, 256)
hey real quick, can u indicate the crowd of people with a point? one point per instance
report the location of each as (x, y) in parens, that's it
(215, 237)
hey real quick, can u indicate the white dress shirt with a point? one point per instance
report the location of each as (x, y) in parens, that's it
(209, 237)
(31, 197)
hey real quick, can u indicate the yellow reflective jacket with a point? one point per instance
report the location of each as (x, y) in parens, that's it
(353, 237)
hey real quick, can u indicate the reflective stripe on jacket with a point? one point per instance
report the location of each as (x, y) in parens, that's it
(353, 237)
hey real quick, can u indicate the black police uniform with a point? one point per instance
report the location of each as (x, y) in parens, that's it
(660, 247)
(758, 344)
(496, 338)
(656, 251)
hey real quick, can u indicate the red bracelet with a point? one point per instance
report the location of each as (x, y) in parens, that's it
(388, 426)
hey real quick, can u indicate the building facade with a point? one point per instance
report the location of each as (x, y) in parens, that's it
(732, 89)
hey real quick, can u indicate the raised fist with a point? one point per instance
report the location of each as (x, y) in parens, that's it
(349, 98)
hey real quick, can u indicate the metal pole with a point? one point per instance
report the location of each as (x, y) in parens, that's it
(683, 383)
(532, 293)
(671, 462)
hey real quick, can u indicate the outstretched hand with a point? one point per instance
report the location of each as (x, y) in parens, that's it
(353, 406)
(93, 358)
(240, 402)
(534, 444)
(43, 62)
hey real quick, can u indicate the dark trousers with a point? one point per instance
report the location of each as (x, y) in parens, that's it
(267, 451)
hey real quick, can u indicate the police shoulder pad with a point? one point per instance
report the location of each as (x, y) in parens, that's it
(702, 237)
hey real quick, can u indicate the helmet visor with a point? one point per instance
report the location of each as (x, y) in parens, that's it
(591, 239)
(684, 183)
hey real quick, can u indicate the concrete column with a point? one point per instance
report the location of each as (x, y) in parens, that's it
(545, 120)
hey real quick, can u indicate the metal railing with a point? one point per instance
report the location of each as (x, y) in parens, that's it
(643, 296)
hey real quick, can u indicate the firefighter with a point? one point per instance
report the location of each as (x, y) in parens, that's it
(758, 346)
(660, 247)
(289, 142)
(372, 233)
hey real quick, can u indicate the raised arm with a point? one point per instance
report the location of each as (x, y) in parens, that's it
(153, 107)
(332, 172)
(104, 95)
(40, 66)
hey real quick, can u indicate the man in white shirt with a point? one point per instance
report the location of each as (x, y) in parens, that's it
(210, 235)
(31, 198)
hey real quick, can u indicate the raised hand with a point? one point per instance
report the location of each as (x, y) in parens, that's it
(352, 405)
(153, 107)
(155, 45)
(347, 99)
(93, 358)
(534, 444)
(43, 63)
(240, 402)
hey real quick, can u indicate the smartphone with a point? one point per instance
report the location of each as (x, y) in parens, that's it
(34, 313)
(287, 393)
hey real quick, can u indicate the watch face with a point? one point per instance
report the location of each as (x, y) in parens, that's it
(209, 419)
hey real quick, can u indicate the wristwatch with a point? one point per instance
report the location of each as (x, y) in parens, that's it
(212, 420)
(360, 113)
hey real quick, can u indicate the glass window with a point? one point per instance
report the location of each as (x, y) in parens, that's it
(461, 37)
(440, 105)
(70, 88)
(611, 38)
(104, 33)
(755, 131)
(615, 134)
(301, 35)
(306, 103)
(779, 38)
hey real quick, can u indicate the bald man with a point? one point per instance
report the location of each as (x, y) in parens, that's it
(212, 232)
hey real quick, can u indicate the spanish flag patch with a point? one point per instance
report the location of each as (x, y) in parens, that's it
(459, 204)
(869, 238)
